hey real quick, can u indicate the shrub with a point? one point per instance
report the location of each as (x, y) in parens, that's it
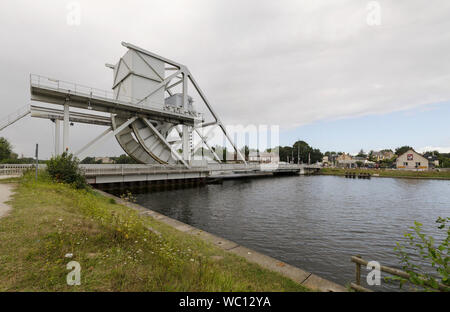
(64, 168)
(425, 249)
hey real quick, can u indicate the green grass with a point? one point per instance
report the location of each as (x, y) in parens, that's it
(114, 246)
(390, 173)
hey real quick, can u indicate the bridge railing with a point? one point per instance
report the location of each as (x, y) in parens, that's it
(105, 169)
(231, 167)
(86, 91)
(13, 117)
(18, 169)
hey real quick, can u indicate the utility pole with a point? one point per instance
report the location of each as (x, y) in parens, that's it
(66, 127)
(298, 156)
(37, 160)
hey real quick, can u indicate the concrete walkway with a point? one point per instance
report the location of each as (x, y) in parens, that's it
(5, 194)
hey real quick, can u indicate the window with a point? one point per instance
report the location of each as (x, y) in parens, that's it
(417, 164)
(405, 164)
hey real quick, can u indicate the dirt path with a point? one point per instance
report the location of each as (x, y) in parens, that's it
(5, 193)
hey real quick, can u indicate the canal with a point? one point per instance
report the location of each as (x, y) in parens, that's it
(313, 222)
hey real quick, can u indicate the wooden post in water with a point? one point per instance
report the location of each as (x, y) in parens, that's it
(358, 272)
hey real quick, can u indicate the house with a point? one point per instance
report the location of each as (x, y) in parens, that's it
(382, 155)
(325, 161)
(264, 157)
(332, 158)
(344, 157)
(411, 160)
(433, 160)
(345, 161)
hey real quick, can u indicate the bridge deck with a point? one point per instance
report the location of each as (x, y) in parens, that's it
(118, 173)
(57, 92)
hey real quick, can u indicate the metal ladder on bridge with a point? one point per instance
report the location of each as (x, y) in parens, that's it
(12, 118)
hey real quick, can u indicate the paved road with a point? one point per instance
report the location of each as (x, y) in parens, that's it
(5, 193)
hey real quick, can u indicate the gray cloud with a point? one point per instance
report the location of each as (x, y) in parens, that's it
(272, 62)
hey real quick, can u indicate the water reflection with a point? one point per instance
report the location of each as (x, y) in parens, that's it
(314, 222)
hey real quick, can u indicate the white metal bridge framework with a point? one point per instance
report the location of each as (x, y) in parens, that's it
(144, 106)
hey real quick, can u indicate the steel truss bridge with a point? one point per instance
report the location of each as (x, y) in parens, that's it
(149, 110)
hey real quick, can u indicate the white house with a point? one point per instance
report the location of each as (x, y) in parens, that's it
(411, 160)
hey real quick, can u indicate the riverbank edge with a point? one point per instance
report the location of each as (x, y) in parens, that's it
(342, 174)
(298, 275)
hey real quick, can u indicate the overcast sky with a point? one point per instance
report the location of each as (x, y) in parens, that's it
(290, 63)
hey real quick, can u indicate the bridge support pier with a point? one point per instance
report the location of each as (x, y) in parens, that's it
(186, 143)
(57, 136)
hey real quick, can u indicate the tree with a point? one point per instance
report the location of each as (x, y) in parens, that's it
(444, 162)
(401, 150)
(245, 151)
(361, 154)
(64, 168)
(124, 159)
(306, 152)
(5, 149)
(386, 163)
(301, 150)
(90, 160)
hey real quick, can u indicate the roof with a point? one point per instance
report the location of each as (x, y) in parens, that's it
(412, 150)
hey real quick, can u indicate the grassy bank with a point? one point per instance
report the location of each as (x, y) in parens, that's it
(389, 173)
(118, 250)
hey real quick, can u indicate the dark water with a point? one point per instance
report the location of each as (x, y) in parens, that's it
(313, 222)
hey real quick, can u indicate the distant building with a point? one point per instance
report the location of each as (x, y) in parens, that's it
(345, 161)
(344, 157)
(433, 160)
(411, 160)
(325, 161)
(330, 159)
(104, 160)
(263, 157)
(359, 158)
(382, 155)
